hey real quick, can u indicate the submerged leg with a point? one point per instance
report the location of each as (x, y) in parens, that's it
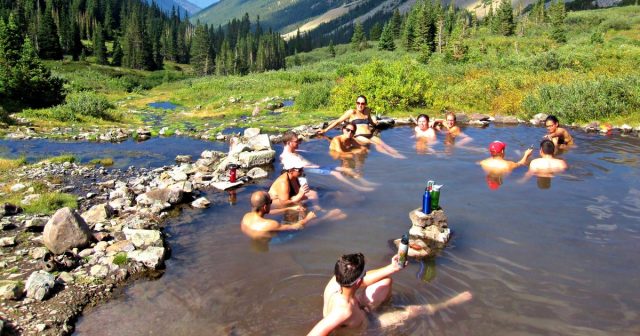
(397, 317)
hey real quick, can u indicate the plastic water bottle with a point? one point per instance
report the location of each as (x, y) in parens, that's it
(435, 197)
(426, 202)
(403, 250)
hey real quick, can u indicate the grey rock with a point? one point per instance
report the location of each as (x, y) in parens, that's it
(38, 252)
(538, 119)
(98, 213)
(121, 246)
(85, 253)
(101, 246)
(152, 257)
(65, 230)
(201, 203)
(183, 186)
(39, 285)
(163, 195)
(99, 271)
(256, 158)
(178, 175)
(260, 142)
(7, 241)
(252, 131)
(66, 278)
(436, 217)
(141, 238)
(183, 159)
(40, 327)
(10, 290)
(212, 155)
(257, 173)
(18, 187)
(36, 223)
(505, 119)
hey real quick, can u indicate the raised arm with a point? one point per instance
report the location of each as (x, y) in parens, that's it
(334, 123)
(282, 195)
(376, 275)
(525, 157)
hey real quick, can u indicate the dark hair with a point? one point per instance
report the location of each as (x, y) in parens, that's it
(259, 199)
(352, 123)
(349, 268)
(552, 118)
(289, 136)
(363, 97)
(547, 146)
(423, 116)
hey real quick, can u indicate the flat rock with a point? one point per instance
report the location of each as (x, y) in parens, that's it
(506, 119)
(252, 131)
(141, 238)
(260, 142)
(99, 271)
(98, 213)
(225, 185)
(152, 257)
(256, 158)
(35, 224)
(183, 159)
(30, 199)
(18, 187)
(7, 241)
(38, 252)
(436, 217)
(121, 246)
(257, 173)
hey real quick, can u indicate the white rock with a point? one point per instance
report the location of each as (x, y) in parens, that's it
(18, 187)
(152, 257)
(99, 271)
(143, 237)
(7, 241)
(201, 203)
(39, 284)
(251, 132)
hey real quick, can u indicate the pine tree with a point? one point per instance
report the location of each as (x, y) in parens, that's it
(99, 48)
(10, 44)
(202, 56)
(37, 88)
(332, 49)
(375, 32)
(386, 38)
(76, 46)
(48, 40)
(557, 14)
(396, 24)
(505, 24)
(116, 56)
(358, 40)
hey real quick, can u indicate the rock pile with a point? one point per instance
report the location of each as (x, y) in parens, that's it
(428, 234)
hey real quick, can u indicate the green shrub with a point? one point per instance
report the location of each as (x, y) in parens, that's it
(89, 104)
(615, 24)
(120, 258)
(102, 162)
(387, 85)
(584, 101)
(313, 96)
(547, 61)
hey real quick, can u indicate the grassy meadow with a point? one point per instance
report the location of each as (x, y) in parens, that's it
(594, 76)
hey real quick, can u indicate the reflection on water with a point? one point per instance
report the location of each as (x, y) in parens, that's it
(559, 260)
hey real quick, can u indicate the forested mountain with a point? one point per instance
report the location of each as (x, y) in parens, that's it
(141, 36)
(185, 6)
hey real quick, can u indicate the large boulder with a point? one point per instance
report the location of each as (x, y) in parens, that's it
(260, 142)
(39, 285)
(10, 290)
(256, 158)
(65, 230)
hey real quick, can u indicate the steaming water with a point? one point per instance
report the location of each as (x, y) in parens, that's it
(541, 257)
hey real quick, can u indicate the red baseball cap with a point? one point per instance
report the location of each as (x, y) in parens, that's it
(497, 147)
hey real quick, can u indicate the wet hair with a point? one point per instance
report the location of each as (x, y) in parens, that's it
(259, 199)
(363, 97)
(552, 118)
(547, 147)
(451, 114)
(423, 116)
(349, 268)
(289, 136)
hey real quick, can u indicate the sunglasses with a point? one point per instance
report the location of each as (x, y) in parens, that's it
(350, 130)
(548, 126)
(361, 103)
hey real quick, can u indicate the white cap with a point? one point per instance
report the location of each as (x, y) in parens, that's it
(291, 162)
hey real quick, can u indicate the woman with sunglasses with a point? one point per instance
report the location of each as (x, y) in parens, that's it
(365, 123)
(345, 144)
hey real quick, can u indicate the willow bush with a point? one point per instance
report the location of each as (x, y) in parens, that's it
(388, 86)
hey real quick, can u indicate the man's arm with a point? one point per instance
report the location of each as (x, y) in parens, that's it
(330, 322)
(525, 158)
(376, 275)
(282, 195)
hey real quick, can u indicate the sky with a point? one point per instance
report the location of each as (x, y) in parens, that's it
(203, 3)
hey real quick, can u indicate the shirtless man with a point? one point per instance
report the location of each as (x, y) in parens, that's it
(256, 226)
(345, 144)
(547, 165)
(560, 136)
(289, 154)
(496, 164)
(353, 293)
